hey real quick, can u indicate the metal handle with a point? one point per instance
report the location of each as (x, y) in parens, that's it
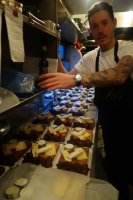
(4, 127)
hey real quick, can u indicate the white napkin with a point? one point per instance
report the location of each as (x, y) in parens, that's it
(54, 184)
(15, 34)
(101, 190)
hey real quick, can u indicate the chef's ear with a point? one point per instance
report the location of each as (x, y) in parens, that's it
(89, 31)
(115, 23)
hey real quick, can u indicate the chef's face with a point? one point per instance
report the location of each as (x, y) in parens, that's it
(102, 28)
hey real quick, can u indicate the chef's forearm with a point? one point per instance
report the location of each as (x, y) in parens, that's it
(110, 77)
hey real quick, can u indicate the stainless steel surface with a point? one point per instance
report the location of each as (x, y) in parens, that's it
(81, 6)
(33, 22)
(19, 115)
(7, 99)
(19, 105)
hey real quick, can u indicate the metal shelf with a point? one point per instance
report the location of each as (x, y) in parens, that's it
(22, 103)
(41, 26)
(69, 29)
(37, 23)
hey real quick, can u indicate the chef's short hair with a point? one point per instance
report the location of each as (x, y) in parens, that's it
(99, 6)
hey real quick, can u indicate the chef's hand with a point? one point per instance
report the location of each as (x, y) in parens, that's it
(52, 81)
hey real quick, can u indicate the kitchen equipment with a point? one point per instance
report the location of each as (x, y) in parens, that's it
(4, 127)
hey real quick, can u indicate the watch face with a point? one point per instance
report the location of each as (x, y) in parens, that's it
(78, 77)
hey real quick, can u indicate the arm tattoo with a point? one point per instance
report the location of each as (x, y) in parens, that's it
(110, 77)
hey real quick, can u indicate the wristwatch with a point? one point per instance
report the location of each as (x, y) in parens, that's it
(78, 79)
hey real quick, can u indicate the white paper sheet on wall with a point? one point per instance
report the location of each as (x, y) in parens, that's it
(15, 34)
(1, 10)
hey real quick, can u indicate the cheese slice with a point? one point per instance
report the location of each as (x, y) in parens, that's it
(82, 156)
(82, 137)
(51, 130)
(21, 145)
(82, 131)
(62, 119)
(37, 127)
(77, 152)
(34, 149)
(52, 150)
(85, 136)
(66, 155)
(60, 127)
(58, 116)
(79, 120)
(53, 126)
(43, 149)
(75, 133)
(64, 130)
(79, 133)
